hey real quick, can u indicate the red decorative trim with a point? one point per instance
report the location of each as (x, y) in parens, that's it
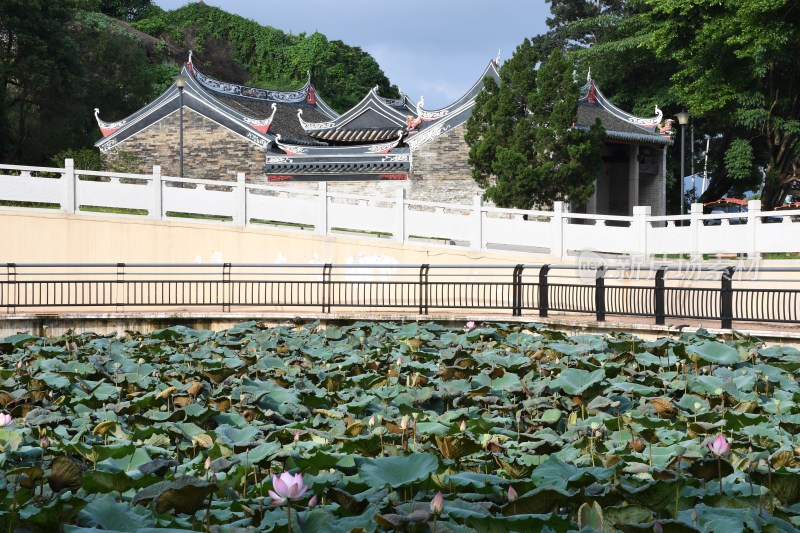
(279, 178)
(591, 98)
(397, 177)
(311, 97)
(108, 131)
(262, 128)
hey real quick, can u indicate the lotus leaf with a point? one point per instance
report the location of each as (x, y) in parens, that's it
(398, 471)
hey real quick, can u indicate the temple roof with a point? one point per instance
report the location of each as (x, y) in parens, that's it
(620, 125)
(302, 135)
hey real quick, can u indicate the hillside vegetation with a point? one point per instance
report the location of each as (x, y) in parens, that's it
(62, 59)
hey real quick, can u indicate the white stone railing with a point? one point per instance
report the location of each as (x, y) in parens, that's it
(556, 233)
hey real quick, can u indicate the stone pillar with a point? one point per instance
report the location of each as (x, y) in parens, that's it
(68, 204)
(633, 177)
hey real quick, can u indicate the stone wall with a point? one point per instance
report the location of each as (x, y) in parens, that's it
(210, 151)
(440, 171)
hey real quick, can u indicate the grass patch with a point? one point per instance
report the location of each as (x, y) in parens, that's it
(29, 205)
(279, 223)
(364, 232)
(198, 216)
(113, 210)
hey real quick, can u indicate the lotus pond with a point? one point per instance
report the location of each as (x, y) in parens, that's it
(405, 427)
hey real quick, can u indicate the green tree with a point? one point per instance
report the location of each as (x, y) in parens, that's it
(37, 69)
(523, 148)
(128, 10)
(739, 63)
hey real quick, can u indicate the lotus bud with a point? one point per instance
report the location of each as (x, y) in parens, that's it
(44, 442)
(470, 325)
(658, 528)
(141, 360)
(558, 360)
(372, 421)
(437, 504)
(408, 382)
(399, 362)
(693, 515)
(404, 422)
(296, 435)
(312, 502)
(208, 462)
(512, 494)
(463, 426)
(519, 416)
(719, 446)
(19, 364)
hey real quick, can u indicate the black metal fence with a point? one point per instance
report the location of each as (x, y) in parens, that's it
(724, 293)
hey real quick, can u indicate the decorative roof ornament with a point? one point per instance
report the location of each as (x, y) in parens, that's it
(314, 126)
(592, 95)
(385, 148)
(429, 116)
(264, 124)
(496, 60)
(107, 128)
(190, 64)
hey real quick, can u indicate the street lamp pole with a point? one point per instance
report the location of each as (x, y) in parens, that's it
(683, 120)
(180, 81)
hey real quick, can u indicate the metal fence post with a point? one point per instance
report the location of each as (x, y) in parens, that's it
(516, 305)
(424, 295)
(543, 292)
(119, 294)
(600, 294)
(13, 296)
(327, 287)
(726, 298)
(660, 308)
(227, 288)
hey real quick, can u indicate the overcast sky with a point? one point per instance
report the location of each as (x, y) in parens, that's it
(434, 48)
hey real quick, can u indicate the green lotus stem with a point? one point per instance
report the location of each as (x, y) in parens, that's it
(288, 517)
(719, 471)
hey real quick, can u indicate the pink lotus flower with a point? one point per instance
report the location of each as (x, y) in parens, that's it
(437, 504)
(719, 446)
(512, 494)
(5, 419)
(287, 487)
(470, 325)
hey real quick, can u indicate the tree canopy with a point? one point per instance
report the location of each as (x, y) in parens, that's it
(342, 74)
(738, 62)
(523, 147)
(734, 65)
